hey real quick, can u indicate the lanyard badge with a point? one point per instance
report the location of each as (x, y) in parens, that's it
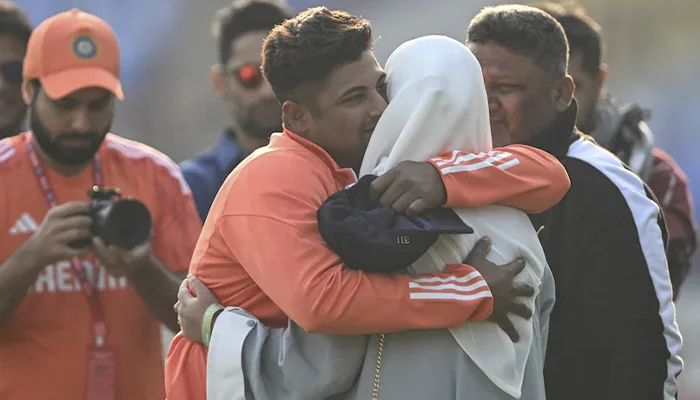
(101, 365)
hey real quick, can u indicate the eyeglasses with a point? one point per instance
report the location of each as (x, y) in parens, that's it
(12, 72)
(249, 75)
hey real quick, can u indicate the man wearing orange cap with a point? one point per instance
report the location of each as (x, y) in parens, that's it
(82, 320)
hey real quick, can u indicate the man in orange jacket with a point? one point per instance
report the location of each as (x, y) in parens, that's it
(333, 95)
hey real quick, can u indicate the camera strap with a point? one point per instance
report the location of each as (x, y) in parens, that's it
(88, 288)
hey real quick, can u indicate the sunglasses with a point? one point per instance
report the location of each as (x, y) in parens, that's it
(12, 72)
(249, 75)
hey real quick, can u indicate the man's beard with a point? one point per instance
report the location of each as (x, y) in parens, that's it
(262, 119)
(54, 148)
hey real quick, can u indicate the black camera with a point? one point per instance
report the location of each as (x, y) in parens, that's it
(125, 223)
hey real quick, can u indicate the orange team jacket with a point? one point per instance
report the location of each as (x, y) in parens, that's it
(261, 249)
(43, 346)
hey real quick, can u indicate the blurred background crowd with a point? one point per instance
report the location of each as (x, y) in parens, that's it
(168, 50)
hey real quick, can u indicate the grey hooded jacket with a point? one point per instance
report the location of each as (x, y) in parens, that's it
(273, 364)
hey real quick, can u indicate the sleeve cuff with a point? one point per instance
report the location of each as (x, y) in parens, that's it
(483, 312)
(225, 377)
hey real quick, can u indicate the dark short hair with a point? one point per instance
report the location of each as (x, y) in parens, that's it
(14, 22)
(307, 48)
(244, 16)
(523, 30)
(583, 33)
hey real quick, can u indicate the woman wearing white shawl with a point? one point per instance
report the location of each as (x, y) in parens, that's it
(437, 102)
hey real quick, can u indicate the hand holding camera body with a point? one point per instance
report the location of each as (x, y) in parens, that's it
(124, 223)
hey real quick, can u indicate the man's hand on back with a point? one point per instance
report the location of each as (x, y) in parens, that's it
(505, 292)
(193, 299)
(410, 188)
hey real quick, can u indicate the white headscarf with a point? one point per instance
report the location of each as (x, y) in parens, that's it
(437, 103)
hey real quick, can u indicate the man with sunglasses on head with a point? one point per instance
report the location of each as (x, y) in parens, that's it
(15, 30)
(240, 29)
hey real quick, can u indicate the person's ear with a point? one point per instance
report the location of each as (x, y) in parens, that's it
(601, 78)
(218, 81)
(563, 93)
(297, 117)
(27, 91)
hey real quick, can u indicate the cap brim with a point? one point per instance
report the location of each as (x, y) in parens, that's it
(61, 84)
(443, 221)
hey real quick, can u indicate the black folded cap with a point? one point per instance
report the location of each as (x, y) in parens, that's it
(376, 238)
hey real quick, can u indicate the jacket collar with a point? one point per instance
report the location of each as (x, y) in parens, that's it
(345, 175)
(558, 136)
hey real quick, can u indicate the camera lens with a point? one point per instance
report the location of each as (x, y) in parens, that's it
(125, 223)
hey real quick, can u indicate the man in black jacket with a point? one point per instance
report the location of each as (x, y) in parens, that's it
(621, 129)
(613, 333)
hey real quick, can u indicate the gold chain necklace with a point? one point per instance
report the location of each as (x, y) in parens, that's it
(378, 370)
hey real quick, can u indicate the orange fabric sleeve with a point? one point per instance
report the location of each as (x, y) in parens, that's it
(309, 283)
(177, 227)
(519, 176)
(184, 379)
(272, 231)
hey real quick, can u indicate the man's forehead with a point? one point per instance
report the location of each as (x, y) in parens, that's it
(87, 95)
(12, 43)
(497, 59)
(248, 47)
(11, 49)
(364, 72)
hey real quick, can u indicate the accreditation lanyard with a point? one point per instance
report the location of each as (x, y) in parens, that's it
(89, 289)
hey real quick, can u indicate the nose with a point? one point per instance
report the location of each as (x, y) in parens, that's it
(378, 106)
(494, 104)
(80, 121)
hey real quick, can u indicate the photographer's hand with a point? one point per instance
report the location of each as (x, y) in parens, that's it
(156, 285)
(62, 225)
(121, 262)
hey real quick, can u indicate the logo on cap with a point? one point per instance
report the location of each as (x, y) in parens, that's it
(404, 240)
(84, 47)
